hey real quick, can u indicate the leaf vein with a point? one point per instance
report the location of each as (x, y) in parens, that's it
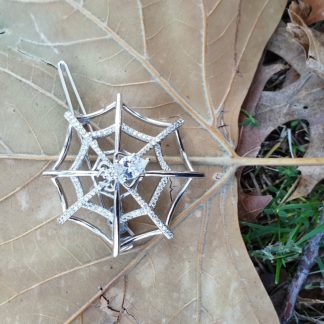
(149, 67)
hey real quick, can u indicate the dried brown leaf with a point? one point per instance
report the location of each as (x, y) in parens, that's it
(315, 11)
(302, 99)
(312, 40)
(168, 58)
(250, 206)
(262, 75)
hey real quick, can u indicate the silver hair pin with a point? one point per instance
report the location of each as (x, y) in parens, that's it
(115, 174)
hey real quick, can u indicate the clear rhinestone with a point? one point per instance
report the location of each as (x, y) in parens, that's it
(130, 167)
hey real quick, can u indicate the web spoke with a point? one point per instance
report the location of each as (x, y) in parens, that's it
(155, 219)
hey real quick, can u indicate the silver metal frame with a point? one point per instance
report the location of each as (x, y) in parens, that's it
(103, 174)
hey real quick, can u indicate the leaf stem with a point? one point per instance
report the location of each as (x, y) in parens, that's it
(202, 160)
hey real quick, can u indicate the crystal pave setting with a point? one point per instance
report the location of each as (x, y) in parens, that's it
(115, 174)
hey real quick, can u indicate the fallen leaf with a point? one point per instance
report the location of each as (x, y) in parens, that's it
(250, 206)
(262, 75)
(311, 39)
(315, 12)
(300, 8)
(188, 59)
(300, 100)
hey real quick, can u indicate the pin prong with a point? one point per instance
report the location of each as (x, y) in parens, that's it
(117, 202)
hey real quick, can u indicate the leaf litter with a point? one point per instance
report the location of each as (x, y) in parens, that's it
(301, 99)
(285, 101)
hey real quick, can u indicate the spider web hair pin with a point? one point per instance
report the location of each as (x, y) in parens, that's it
(115, 175)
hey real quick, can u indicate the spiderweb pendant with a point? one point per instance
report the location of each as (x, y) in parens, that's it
(115, 174)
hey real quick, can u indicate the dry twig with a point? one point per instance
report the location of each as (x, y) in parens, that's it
(305, 264)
